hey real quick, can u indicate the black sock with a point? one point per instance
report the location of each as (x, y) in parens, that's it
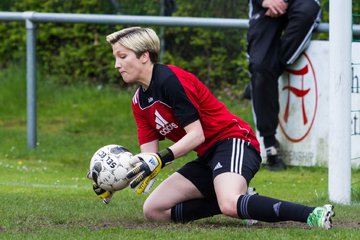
(269, 141)
(271, 210)
(194, 209)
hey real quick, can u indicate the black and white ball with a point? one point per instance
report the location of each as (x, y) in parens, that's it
(109, 166)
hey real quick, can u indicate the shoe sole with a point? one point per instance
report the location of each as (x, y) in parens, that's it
(327, 221)
(251, 191)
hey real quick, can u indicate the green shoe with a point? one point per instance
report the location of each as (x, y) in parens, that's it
(321, 217)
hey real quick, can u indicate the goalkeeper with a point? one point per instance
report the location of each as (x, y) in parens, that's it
(172, 103)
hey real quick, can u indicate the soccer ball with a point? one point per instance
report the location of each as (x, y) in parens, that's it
(109, 166)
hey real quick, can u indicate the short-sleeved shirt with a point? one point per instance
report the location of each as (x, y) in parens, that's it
(176, 98)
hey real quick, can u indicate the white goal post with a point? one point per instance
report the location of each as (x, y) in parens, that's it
(340, 37)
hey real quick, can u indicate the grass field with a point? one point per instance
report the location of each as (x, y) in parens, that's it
(45, 195)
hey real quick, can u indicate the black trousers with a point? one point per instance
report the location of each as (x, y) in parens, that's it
(274, 43)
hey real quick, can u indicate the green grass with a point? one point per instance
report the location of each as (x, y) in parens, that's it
(45, 195)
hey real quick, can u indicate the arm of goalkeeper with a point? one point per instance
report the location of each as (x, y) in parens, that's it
(147, 167)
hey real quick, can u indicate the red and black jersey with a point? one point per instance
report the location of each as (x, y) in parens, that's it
(176, 98)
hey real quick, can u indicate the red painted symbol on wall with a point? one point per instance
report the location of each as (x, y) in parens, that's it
(300, 93)
(298, 100)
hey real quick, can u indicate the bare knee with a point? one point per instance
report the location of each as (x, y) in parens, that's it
(149, 211)
(228, 207)
(155, 213)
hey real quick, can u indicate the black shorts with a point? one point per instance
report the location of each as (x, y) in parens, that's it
(230, 155)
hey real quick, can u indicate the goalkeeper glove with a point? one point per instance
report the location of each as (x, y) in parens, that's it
(149, 167)
(102, 193)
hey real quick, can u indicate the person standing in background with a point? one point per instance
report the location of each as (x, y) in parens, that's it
(279, 31)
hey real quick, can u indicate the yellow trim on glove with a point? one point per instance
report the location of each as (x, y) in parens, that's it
(147, 180)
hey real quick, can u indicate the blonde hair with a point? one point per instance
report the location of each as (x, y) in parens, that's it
(137, 39)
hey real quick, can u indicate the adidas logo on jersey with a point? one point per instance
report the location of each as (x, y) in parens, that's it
(164, 125)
